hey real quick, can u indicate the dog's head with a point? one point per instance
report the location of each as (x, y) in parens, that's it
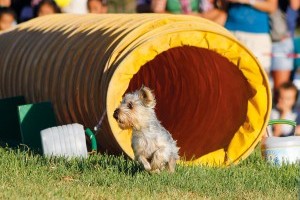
(136, 109)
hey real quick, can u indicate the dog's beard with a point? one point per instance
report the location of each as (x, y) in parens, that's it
(124, 121)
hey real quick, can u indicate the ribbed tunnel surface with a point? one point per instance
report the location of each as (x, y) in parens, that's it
(201, 97)
(212, 94)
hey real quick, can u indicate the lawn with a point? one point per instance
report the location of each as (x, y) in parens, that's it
(27, 176)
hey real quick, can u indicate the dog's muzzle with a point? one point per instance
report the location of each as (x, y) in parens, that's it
(116, 113)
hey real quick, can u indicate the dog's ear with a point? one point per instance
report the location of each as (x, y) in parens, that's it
(147, 97)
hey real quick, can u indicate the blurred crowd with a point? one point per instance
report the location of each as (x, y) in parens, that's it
(266, 27)
(13, 12)
(248, 20)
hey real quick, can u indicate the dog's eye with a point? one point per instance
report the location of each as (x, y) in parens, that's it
(130, 105)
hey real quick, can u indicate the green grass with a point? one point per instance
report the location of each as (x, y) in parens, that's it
(27, 176)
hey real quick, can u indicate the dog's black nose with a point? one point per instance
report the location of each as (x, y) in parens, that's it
(116, 113)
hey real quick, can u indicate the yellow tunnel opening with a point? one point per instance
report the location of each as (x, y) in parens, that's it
(202, 97)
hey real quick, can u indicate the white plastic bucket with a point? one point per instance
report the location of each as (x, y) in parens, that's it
(66, 141)
(279, 150)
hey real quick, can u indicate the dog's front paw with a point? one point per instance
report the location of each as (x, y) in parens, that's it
(156, 171)
(147, 166)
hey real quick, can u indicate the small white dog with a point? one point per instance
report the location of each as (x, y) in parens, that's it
(152, 144)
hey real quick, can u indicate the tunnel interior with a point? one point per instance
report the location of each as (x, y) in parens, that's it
(201, 96)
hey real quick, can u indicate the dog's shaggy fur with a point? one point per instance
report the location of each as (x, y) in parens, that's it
(152, 144)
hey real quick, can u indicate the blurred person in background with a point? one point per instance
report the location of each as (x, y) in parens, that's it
(46, 7)
(284, 108)
(248, 20)
(292, 14)
(205, 8)
(27, 11)
(175, 6)
(5, 3)
(143, 6)
(214, 10)
(38, 8)
(97, 6)
(18, 6)
(7, 18)
(282, 42)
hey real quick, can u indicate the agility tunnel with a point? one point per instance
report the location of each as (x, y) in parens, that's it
(212, 94)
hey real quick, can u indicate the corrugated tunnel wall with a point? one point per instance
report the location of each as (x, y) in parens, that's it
(212, 94)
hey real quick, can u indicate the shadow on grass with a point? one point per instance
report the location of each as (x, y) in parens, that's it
(120, 163)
